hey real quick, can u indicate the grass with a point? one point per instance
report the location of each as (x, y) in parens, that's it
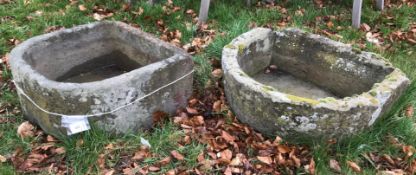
(24, 19)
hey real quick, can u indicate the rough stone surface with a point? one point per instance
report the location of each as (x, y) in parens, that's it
(343, 90)
(39, 62)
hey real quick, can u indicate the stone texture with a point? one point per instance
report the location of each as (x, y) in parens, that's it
(347, 89)
(38, 62)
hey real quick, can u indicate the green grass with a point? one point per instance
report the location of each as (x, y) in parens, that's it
(229, 19)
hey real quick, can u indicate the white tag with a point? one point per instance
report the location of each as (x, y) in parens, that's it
(75, 123)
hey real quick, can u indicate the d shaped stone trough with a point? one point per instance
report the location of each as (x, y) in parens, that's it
(292, 83)
(100, 68)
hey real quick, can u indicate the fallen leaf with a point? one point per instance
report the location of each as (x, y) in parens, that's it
(140, 155)
(60, 150)
(354, 166)
(394, 172)
(177, 155)
(408, 150)
(267, 160)
(226, 154)
(334, 165)
(216, 107)
(191, 110)
(283, 149)
(171, 172)
(409, 111)
(50, 138)
(111, 172)
(228, 171)
(312, 167)
(101, 161)
(227, 136)
(3, 159)
(153, 168)
(330, 24)
(198, 120)
(217, 73)
(82, 7)
(165, 161)
(238, 160)
(25, 130)
(109, 146)
(193, 102)
(365, 27)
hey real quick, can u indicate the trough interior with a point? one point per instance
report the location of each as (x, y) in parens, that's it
(93, 54)
(311, 67)
(289, 84)
(100, 68)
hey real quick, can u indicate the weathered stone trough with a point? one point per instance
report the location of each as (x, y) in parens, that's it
(100, 69)
(313, 86)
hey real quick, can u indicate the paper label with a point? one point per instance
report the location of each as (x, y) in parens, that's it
(75, 124)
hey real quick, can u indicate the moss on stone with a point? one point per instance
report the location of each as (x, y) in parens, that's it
(302, 99)
(241, 48)
(267, 88)
(327, 99)
(229, 46)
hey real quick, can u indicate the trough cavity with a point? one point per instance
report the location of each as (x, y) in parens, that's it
(100, 68)
(289, 84)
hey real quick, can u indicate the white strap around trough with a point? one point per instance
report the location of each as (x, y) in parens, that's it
(103, 113)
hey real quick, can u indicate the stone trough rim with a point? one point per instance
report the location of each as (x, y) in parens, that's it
(17, 54)
(236, 48)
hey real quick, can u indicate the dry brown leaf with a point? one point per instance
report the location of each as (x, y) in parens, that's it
(165, 161)
(227, 136)
(82, 7)
(193, 102)
(171, 172)
(110, 172)
(153, 168)
(140, 155)
(266, 159)
(365, 27)
(238, 160)
(191, 110)
(330, 24)
(226, 154)
(393, 172)
(296, 160)
(334, 165)
(228, 171)
(110, 146)
(25, 130)
(354, 166)
(217, 73)
(216, 107)
(60, 150)
(128, 171)
(409, 150)
(283, 149)
(3, 159)
(101, 161)
(177, 155)
(312, 167)
(99, 17)
(50, 138)
(198, 120)
(409, 111)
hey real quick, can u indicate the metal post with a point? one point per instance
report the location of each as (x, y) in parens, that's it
(203, 11)
(380, 4)
(356, 13)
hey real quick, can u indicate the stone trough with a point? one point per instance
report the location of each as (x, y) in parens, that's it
(292, 83)
(114, 74)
